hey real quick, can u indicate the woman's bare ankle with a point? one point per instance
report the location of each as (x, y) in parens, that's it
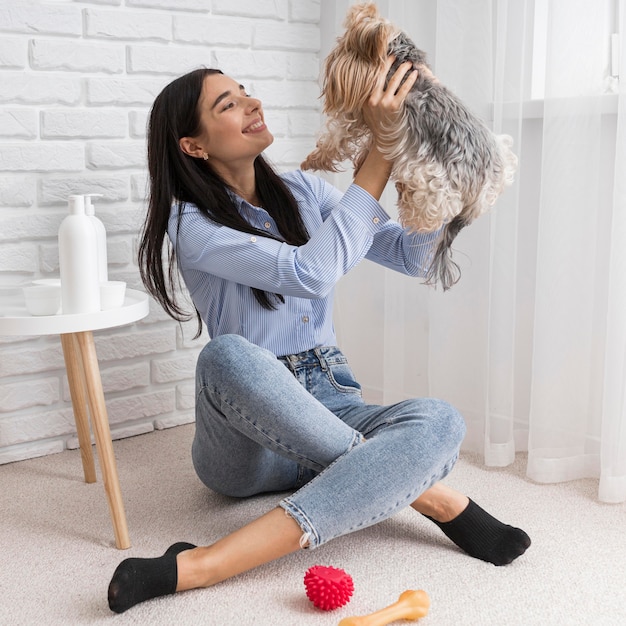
(194, 569)
(442, 503)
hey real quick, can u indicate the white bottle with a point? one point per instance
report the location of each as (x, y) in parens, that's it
(78, 261)
(101, 236)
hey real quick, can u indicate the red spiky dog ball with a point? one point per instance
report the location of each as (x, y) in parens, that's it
(328, 587)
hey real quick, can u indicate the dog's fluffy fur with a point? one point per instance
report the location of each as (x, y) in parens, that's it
(448, 167)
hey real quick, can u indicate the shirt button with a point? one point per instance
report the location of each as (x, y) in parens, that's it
(376, 220)
(252, 239)
(267, 224)
(305, 319)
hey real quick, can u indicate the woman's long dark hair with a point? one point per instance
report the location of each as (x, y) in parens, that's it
(178, 177)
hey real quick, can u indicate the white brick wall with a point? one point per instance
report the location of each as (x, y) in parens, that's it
(77, 79)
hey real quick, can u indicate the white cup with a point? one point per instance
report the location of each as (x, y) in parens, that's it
(42, 299)
(112, 294)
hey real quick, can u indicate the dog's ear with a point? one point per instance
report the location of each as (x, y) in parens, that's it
(368, 41)
(367, 34)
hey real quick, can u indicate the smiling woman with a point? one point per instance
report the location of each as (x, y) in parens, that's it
(232, 131)
(277, 405)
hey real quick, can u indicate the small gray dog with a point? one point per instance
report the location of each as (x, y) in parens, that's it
(448, 167)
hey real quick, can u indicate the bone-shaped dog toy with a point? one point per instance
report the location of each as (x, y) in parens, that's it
(411, 605)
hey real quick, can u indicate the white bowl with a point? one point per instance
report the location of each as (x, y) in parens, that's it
(48, 281)
(112, 294)
(42, 299)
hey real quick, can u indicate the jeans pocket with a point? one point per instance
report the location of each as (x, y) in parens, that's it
(341, 377)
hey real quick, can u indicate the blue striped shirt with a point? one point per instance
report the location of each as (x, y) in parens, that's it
(219, 264)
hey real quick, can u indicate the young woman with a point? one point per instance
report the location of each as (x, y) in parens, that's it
(277, 406)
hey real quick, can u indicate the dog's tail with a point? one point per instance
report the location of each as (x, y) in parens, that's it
(443, 270)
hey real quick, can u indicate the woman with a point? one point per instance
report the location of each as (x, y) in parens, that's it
(277, 407)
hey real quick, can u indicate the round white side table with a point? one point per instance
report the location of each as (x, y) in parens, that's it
(83, 373)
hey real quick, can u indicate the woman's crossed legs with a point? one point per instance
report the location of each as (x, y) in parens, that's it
(258, 429)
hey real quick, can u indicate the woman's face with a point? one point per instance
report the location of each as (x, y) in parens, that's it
(233, 128)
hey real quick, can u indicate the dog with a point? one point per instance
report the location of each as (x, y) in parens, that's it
(448, 167)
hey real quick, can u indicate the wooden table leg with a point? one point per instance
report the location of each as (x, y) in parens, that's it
(75, 377)
(102, 432)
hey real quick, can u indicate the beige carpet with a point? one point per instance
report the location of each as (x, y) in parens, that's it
(58, 556)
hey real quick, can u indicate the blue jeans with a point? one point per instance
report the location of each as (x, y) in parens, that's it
(266, 424)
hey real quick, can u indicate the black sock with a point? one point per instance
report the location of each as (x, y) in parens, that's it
(136, 580)
(484, 537)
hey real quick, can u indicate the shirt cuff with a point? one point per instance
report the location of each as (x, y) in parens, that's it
(364, 206)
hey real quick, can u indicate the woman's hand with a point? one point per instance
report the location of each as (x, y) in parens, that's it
(380, 112)
(384, 105)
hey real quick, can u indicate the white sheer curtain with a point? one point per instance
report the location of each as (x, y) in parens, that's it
(530, 345)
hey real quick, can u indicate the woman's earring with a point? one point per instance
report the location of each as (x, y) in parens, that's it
(205, 156)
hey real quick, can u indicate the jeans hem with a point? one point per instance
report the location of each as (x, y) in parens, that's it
(310, 539)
